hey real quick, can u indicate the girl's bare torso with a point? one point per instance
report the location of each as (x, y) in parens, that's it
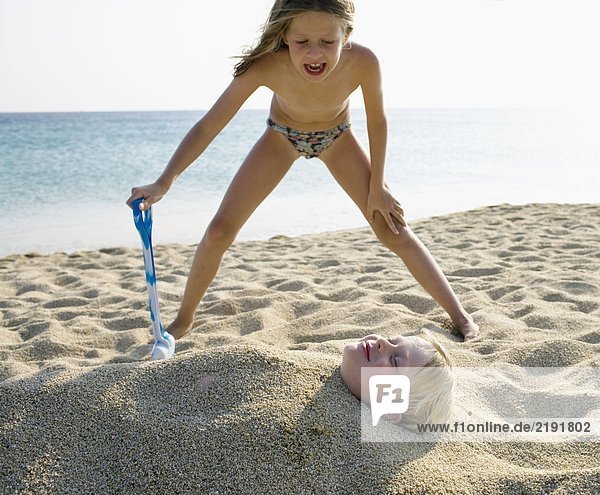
(308, 106)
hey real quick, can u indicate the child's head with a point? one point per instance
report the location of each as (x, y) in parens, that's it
(421, 357)
(282, 14)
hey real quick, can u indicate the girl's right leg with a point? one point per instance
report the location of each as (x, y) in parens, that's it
(264, 167)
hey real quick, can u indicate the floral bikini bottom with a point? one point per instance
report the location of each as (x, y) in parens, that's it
(309, 144)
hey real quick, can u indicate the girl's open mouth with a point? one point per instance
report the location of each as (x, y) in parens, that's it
(314, 69)
(366, 349)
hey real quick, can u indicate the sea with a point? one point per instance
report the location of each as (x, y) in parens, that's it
(65, 177)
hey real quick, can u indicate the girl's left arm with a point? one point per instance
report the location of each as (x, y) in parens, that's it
(380, 198)
(376, 120)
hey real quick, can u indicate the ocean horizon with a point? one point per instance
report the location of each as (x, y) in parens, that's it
(65, 177)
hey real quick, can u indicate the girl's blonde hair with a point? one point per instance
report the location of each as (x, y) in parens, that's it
(431, 388)
(281, 15)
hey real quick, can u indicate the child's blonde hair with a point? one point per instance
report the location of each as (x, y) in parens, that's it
(431, 388)
(281, 15)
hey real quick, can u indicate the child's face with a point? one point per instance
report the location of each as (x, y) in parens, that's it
(377, 351)
(315, 41)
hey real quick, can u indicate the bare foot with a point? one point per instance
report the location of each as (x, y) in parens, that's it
(178, 330)
(469, 329)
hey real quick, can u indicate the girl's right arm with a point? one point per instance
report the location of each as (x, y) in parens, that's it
(199, 137)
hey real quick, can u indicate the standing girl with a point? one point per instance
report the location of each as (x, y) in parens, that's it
(305, 57)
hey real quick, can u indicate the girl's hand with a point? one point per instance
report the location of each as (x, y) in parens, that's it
(381, 200)
(152, 193)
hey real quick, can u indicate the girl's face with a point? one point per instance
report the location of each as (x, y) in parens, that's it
(315, 41)
(376, 351)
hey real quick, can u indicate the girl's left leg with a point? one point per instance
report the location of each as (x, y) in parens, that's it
(351, 168)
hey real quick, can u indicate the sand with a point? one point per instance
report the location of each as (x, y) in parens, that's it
(253, 401)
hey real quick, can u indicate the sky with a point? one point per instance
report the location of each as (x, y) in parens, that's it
(134, 55)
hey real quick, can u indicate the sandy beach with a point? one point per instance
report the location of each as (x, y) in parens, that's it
(253, 401)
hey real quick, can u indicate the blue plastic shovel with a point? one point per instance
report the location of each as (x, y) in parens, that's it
(164, 343)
